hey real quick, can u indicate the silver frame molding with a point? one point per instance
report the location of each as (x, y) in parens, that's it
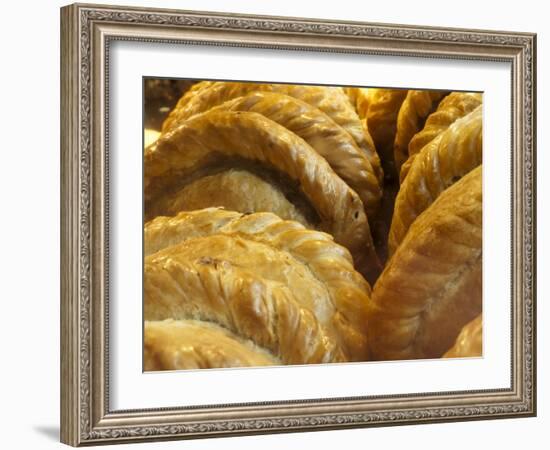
(86, 31)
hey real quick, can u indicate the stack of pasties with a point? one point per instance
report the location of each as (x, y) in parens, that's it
(272, 209)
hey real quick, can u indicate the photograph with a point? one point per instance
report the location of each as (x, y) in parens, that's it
(292, 224)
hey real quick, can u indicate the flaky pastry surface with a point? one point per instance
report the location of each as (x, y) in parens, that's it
(221, 136)
(324, 135)
(454, 153)
(191, 344)
(431, 287)
(289, 289)
(469, 342)
(453, 107)
(330, 100)
(412, 114)
(381, 120)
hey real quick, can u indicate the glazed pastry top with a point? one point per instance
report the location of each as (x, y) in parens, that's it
(266, 279)
(431, 286)
(454, 153)
(191, 344)
(469, 342)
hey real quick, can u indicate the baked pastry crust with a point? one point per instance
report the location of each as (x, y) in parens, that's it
(381, 120)
(233, 189)
(326, 137)
(432, 285)
(291, 290)
(183, 100)
(359, 98)
(469, 342)
(351, 92)
(330, 100)
(190, 344)
(334, 103)
(454, 153)
(414, 110)
(453, 107)
(362, 102)
(218, 136)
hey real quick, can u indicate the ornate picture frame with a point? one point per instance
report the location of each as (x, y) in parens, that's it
(86, 34)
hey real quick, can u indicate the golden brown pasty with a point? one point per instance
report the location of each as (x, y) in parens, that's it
(218, 140)
(432, 285)
(412, 114)
(330, 100)
(290, 290)
(351, 92)
(383, 108)
(213, 94)
(454, 106)
(469, 342)
(188, 94)
(333, 102)
(362, 102)
(454, 153)
(359, 98)
(233, 189)
(191, 344)
(330, 140)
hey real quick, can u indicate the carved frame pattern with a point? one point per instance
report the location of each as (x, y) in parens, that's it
(86, 418)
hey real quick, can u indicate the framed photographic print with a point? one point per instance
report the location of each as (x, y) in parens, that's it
(277, 225)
